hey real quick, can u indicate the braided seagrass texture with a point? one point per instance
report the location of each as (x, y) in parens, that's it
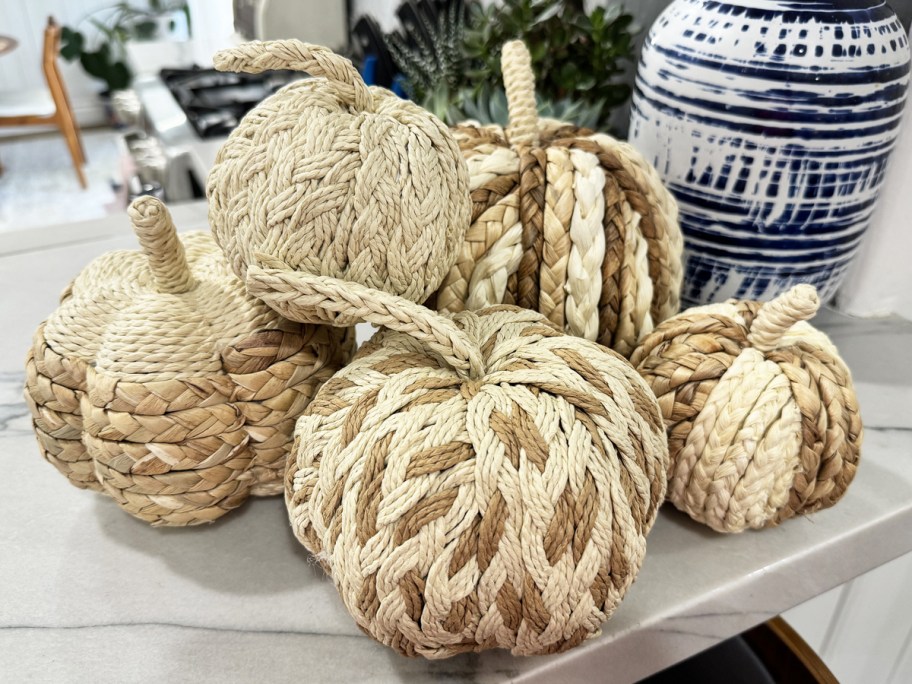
(331, 178)
(762, 417)
(565, 221)
(470, 500)
(161, 383)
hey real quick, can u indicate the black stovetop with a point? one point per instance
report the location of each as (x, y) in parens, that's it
(215, 101)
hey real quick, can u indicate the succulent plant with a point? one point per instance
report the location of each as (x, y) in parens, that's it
(489, 105)
(432, 60)
(576, 56)
(451, 63)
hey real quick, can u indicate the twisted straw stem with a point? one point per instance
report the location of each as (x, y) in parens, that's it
(777, 316)
(519, 83)
(304, 297)
(258, 56)
(158, 237)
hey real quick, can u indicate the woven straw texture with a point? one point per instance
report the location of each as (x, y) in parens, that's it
(479, 482)
(331, 178)
(565, 221)
(161, 383)
(762, 417)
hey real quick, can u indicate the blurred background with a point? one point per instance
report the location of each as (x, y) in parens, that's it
(141, 111)
(108, 100)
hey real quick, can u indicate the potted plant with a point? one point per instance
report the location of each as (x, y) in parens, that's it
(103, 56)
(451, 63)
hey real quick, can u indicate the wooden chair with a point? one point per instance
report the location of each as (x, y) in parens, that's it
(51, 106)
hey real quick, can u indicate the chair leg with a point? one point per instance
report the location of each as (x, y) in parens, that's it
(71, 134)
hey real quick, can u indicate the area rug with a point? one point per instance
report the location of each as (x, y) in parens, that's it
(39, 186)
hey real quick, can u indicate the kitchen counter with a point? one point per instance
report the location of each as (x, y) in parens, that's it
(89, 594)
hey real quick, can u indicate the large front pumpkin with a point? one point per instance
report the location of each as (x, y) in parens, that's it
(161, 383)
(565, 221)
(479, 482)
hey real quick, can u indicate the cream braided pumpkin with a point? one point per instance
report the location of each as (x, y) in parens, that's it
(331, 178)
(565, 221)
(762, 417)
(160, 382)
(494, 493)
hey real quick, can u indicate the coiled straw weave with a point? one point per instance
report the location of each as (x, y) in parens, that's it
(161, 383)
(331, 178)
(762, 417)
(571, 223)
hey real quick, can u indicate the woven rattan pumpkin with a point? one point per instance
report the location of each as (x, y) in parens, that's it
(762, 417)
(485, 481)
(161, 383)
(331, 178)
(565, 221)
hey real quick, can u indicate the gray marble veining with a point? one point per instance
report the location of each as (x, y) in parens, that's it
(89, 594)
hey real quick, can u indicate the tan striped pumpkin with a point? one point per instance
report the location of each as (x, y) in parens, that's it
(571, 223)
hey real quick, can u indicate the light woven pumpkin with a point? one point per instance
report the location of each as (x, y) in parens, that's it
(481, 482)
(762, 417)
(565, 221)
(331, 178)
(161, 383)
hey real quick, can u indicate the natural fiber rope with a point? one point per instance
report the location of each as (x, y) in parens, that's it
(256, 57)
(158, 238)
(641, 268)
(519, 84)
(507, 511)
(161, 382)
(559, 199)
(336, 179)
(493, 269)
(326, 298)
(587, 252)
(762, 418)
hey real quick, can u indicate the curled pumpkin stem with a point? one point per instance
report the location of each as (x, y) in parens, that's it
(777, 316)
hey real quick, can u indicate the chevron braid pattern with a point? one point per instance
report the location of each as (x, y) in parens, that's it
(762, 418)
(504, 511)
(336, 179)
(611, 283)
(160, 382)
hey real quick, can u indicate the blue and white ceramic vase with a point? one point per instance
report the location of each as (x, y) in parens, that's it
(772, 123)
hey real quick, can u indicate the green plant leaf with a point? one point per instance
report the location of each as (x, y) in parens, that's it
(71, 43)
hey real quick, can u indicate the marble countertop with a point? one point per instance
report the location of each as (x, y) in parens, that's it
(89, 594)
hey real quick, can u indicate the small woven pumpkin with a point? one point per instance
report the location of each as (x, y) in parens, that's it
(762, 417)
(161, 383)
(565, 221)
(478, 482)
(331, 178)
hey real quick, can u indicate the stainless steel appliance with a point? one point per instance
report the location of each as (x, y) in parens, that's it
(186, 114)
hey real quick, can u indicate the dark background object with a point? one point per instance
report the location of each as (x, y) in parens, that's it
(769, 653)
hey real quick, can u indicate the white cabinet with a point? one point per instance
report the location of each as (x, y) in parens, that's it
(863, 629)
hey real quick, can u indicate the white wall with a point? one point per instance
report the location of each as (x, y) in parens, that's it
(21, 69)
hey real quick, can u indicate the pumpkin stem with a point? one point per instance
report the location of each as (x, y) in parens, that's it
(519, 82)
(153, 226)
(322, 299)
(258, 56)
(777, 316)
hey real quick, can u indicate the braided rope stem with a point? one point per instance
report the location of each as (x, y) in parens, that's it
(519, 83)
(156, 232)
(777, 316)
(300, 296)
(258, 56)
